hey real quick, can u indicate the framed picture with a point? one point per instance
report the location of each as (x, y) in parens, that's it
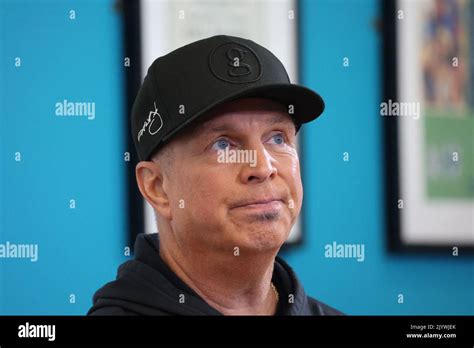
(428, 116)
(155, 28)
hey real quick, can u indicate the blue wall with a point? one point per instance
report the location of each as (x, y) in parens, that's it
(344, 201)
(65, 158)
(61, 158)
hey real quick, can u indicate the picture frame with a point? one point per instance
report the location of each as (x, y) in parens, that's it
(429, 199)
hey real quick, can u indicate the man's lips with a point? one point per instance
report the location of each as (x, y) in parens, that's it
(261, 203)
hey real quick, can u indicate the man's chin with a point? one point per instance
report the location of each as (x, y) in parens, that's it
(262, 231)
(264, 239)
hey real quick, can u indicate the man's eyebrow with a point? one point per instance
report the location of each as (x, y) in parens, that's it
(218, 129)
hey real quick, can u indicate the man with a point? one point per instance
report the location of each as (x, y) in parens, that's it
(215, 125)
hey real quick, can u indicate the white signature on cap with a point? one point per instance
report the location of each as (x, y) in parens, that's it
(149, 123)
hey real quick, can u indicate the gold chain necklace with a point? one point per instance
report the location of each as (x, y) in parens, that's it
(275, 291)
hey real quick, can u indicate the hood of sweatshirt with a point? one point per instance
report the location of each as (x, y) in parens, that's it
(147, 286)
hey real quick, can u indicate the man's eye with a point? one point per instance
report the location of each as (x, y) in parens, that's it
(221, 144)
(278, 139)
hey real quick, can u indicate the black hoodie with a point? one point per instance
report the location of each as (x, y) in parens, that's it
(147, 286)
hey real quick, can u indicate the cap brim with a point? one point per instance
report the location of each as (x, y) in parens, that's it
(308, 105)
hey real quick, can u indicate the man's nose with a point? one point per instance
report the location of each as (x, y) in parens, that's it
(260, 168)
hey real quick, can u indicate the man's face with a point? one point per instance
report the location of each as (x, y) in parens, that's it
(218, 203)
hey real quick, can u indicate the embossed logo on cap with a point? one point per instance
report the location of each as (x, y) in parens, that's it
(235, 63)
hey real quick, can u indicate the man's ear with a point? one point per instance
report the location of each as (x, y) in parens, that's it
(150, 182)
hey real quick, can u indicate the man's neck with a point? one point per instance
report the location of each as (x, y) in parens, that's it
(232, 284)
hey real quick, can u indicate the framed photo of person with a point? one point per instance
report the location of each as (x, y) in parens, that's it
(428, 116)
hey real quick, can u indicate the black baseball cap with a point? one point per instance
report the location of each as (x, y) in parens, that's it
(185, 84)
